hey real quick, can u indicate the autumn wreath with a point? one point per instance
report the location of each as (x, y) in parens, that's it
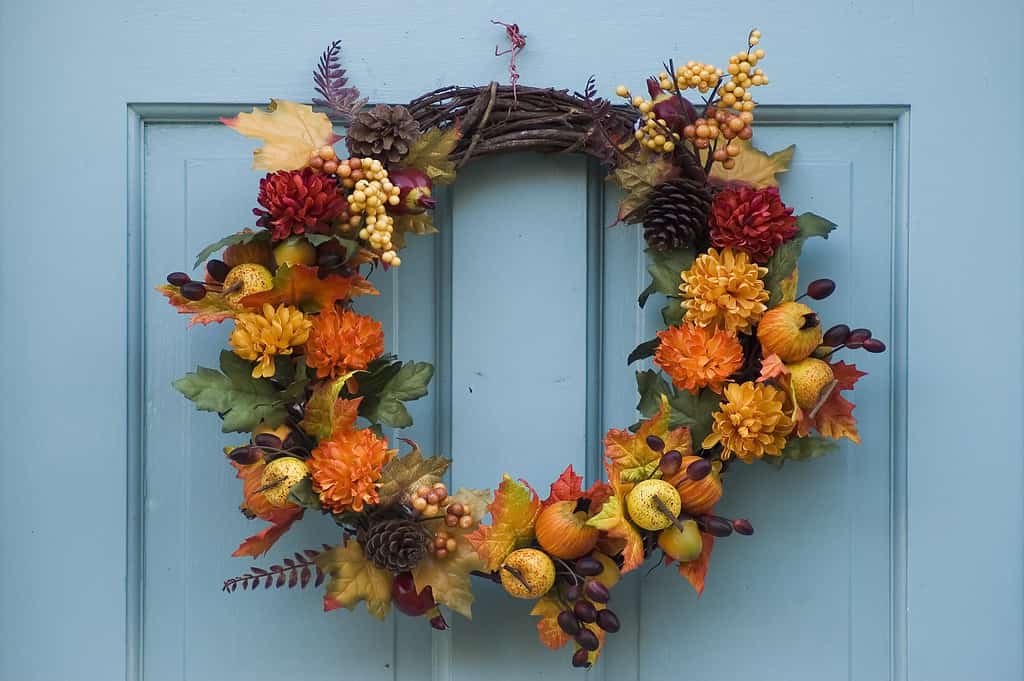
(743, 371)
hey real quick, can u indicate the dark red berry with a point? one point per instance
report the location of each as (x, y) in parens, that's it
(568, 623)
(589, 567)
(608, 620)
(655, 443)
(874, 345)
(193, 290)
(819, 289)
(585, 611)
(328, 260)
(670, 463)
(587, 640)
(743, 526)
(438, 622)
(857, 338)
(698, 470)
(245, 455)
(597, 592)
(572, 594)
(716, 525)
(267, 440)
(178, 278)
(837, 335)
(218, 269)
(581, 658)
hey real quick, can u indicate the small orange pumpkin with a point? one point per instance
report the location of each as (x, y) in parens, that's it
(563, 532)
(698, 496)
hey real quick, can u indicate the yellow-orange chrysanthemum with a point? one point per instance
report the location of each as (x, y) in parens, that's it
(751, 422)
(346, 469)
(696, 357)
(275, 331)
(724, 290)
(343, 341)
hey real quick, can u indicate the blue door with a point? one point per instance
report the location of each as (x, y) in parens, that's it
(896, 559)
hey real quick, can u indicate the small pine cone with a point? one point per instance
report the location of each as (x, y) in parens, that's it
(383, 132)
(395, 544)
(676, 214)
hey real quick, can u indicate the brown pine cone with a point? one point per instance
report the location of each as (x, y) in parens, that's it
(395, 544)
(676, 215)
(384, 132)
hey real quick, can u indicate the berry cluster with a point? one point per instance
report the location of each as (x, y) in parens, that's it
(702, 77)
(703, 133)
(653, 133)
(585, 599)
(735, 93)
(442, 545)
(216, 272)
(429, 501)
(324, 159)
(372, 193)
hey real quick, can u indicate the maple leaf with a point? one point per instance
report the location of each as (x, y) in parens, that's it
(325, 413)
(353, 579)
(612, 520)
(290, 133)
(547, 608)
(420, 224)
(772, 367)
(213, 308)
(513, 514)
(299, 285)
(450, 578)
(787, 286)
(834, 418)
(402, 473)
(431, 153)
(262, 541)
(753, 166)
(696, 570)
(637, 180)
(569, 487)
(630, 453)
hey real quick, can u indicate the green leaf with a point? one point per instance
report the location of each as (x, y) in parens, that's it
(645, 294)
(406, 382)
(694, 412)
(302, 494)
(804, 448)
(431, 153)
(651, 387)
(643, 351)
(667, 266)
(783, 262)
(238, 238)
(318, 416)
(241, 400)
(350, 246)
(390, 412)
(410, 383)
(673, 313)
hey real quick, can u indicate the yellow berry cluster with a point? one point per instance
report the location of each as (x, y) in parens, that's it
(324, 159)
(372, 193)
(653, 133)
(693, 74)
(735, 93)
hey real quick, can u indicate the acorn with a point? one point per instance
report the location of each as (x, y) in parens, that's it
(414, 191)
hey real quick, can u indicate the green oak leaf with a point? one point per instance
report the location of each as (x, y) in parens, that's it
(241, 400)
(302, 494)
(783, 262)
(408, 383)
(805, 448)
(651, 387)
(667, 266)
(694, 412)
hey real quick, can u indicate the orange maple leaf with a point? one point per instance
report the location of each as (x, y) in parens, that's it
(299, 285)
(513, 514)
(834, 418)
(213, 308)
(613, 522)
(772, 367)
(696, 570)
(569, 487)
(262, 541)
(632, 455)
(280, 518)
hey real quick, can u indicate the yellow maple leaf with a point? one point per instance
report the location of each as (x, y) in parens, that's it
(637, 181)
(612, 520)
(631, 453)
(513, 514)
(290, 133)
(431, 153)
(450, 579)
(753, 166)
(421, 224)
(353, 579)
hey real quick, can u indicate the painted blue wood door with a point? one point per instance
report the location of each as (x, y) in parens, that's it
(897, 559)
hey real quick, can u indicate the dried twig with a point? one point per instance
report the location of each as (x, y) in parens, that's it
(297, 571)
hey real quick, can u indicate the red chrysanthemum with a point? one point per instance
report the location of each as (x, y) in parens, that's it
(297, 202)
(751, 220)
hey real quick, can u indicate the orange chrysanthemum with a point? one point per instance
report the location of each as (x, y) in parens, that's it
(724, 290)
(751, 422)
(346, 470)
(696, 357)
(340, 342)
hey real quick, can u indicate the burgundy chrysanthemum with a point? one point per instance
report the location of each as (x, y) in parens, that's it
(751, 220)
(297, 202)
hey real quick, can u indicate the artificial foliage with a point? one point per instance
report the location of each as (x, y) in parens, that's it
(741, 372)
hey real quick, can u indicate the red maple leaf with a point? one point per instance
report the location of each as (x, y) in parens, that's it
(260, 543)
(834, 418)
(569, 487)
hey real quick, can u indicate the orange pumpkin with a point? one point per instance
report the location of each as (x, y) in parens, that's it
(698, 496)
(563, 532)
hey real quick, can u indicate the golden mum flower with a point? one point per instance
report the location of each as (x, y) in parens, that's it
(724, 290)
(696, 357)
(277, 331)
(751, 422)
(346, 470)
(343, 341)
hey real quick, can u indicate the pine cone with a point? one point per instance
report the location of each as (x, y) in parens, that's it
(676, 215)
(383, 132)
(395, 544)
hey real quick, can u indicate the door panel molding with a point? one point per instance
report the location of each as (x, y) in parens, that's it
(603, 410)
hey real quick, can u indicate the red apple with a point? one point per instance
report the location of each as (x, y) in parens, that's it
(407, 600)
(563, 532)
